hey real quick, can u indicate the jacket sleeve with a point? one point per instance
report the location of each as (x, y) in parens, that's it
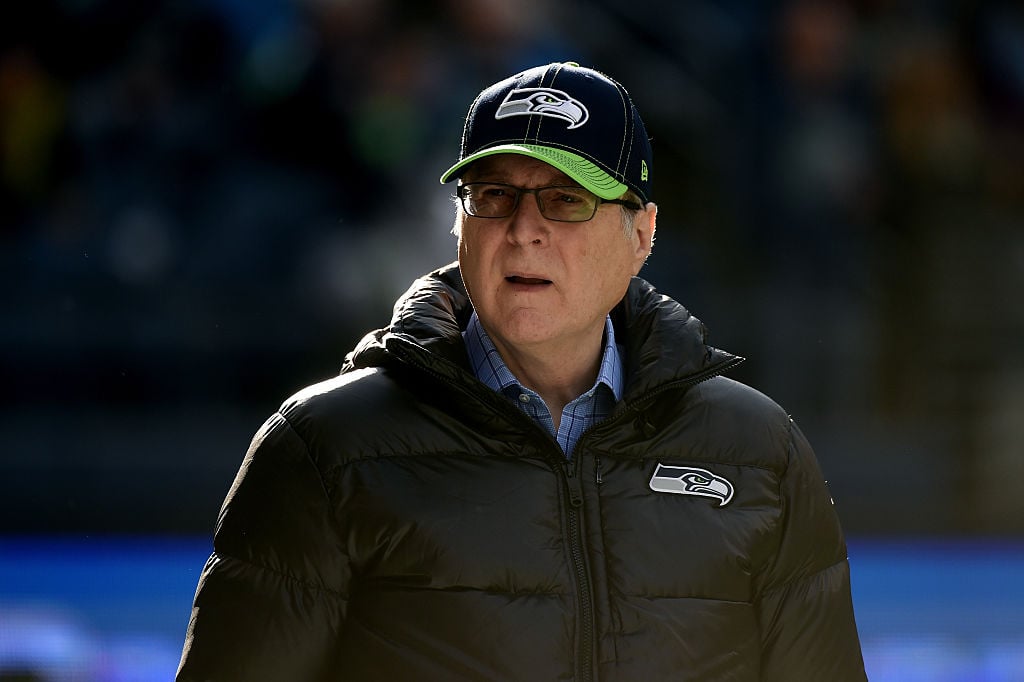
(804, 606)
(271, 598)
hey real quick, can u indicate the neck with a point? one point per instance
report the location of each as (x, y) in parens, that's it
(558, 375)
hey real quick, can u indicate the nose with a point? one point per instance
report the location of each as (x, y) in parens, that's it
(527, 225)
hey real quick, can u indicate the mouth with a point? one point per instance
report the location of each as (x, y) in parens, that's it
(527, 281)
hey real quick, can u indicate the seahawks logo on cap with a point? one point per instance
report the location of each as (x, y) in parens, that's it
(543, 102)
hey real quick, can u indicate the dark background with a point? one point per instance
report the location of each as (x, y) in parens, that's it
(204, 204)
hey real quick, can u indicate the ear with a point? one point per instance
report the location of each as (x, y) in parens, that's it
(644, 225)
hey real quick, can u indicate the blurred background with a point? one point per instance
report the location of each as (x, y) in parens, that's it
(205, 203)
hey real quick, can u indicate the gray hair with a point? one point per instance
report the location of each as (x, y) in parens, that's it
(629, 214)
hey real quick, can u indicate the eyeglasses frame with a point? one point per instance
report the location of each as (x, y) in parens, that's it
(461, 195)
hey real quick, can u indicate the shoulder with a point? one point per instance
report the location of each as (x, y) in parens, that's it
(357, 389)
(353, 412)
(738, 401)
(369, 413)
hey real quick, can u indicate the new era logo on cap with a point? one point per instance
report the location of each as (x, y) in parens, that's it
(574, 118)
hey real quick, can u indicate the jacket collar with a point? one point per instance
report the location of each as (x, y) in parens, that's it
(664, 343)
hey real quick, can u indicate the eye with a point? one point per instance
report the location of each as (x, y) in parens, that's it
(492, 191)
(567, 195)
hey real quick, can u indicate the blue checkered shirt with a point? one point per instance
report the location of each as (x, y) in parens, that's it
(579, 415)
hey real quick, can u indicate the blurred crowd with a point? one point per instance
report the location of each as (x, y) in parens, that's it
(204, 203)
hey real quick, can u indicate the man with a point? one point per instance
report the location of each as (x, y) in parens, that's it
(537, 471)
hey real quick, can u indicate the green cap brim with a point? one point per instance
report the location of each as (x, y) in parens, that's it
(576, 167)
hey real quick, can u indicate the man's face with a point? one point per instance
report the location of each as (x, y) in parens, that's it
(540, 285)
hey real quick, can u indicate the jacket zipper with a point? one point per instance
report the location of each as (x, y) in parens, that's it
(583, 587)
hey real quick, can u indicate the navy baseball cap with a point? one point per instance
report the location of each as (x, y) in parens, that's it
(576, 119)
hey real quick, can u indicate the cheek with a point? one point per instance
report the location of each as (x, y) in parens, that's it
(473, 264)
(473, 241)
(608, 272)
(467, 266)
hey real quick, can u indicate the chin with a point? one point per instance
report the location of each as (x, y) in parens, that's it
(524, 330)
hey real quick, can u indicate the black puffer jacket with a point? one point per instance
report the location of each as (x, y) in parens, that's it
(403, 522)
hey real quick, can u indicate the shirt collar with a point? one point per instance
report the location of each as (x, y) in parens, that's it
(491, 369)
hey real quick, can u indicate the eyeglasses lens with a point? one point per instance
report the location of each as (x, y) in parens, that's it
(564, 204)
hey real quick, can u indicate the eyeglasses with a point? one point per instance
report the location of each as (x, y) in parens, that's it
(565, 204)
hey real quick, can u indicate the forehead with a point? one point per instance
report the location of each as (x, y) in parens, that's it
(516, 169)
